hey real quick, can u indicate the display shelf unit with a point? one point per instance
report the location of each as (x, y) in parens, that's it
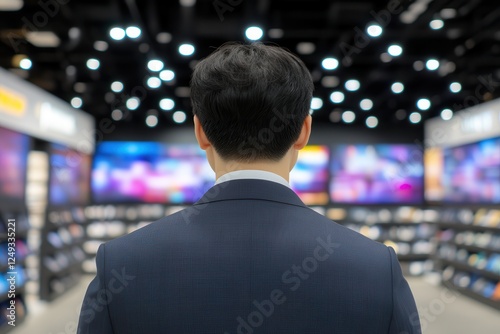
(18, 213)
(105, 222)
(61, 253)
(402, 228)
(468, 242)
(474, 295)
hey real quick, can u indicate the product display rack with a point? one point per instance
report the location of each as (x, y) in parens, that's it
(402, 228)
(468, 252)
(61, 253)
(106, 222)
(17, 213)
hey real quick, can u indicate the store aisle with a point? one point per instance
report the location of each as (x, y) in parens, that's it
(442, 312)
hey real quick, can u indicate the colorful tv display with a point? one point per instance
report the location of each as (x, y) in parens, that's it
(69, 176)
(472, 173)
(14, 149)
(377, 174)
(309, 177)
(150, 172)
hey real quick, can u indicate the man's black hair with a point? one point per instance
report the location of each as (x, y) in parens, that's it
(251, 100)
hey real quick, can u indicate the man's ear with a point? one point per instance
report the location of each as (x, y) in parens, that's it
(305, 133)
(201, 137)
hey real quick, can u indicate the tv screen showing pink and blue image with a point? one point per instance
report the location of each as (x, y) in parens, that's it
(69, 176)
(472, 173)
(309, 177)
(150, 172)
(14, 149)
(377, 174)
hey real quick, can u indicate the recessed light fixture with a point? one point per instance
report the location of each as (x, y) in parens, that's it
(415, 117)
(186, 49)
(155, 65)
(133, 32)
(117, 33)
(372, 122)
(330, 63)
(337, 97)
(348, 116)
(254, 33)
(316, 103)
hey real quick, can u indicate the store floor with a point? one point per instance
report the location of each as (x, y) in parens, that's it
(442, 312)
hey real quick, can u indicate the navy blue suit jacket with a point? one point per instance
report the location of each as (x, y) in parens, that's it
(249, 257)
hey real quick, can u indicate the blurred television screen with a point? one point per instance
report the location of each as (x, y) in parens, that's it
(472, 173)
(150, 172)
(377, 174)
(14, 149)
(309, 177)
(69, 176)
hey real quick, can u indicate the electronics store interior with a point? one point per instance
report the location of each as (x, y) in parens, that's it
(97, 140)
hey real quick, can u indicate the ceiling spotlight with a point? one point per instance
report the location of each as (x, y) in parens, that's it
(330, 63)
(133, 103)
(366, 104)
(25, 63)
(117, 34)
(336, 116)
(330, 81)
(448, 13)
(74, 33)
(374, 30)
(11, 5)
(93, 64)
(187, 3)
(348, 116)
(352, 85)
(164, 37)
(167, 75)
(415, 117)
(117, 86)
(254, 33)
(133, 32)
(372, 122)
(179, 117)
(455, 87)
(154, 82)
(436, 24)
(424, 104)
(385, 57)
(186, 49)
(101, 46)
(152, 121)
(306, 48)
(337, 97)
(316, 103)
(76, 102)
(42, 39)
(395, 50)
(447, 114)
(155, 65)
(418, 65)
(117, 115)
(432, 64)
(401, 114)
(276, 33)
(167, 104)
(397, 88)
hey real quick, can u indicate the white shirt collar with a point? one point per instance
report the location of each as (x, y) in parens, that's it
(252, 174)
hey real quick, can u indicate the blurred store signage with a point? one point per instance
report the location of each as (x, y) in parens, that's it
(27, 108)
(11, 102)
(467, 126)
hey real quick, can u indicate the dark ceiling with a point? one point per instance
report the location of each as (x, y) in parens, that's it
(468, 48)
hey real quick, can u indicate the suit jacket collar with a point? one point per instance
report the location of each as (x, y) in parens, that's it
(251, 189)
